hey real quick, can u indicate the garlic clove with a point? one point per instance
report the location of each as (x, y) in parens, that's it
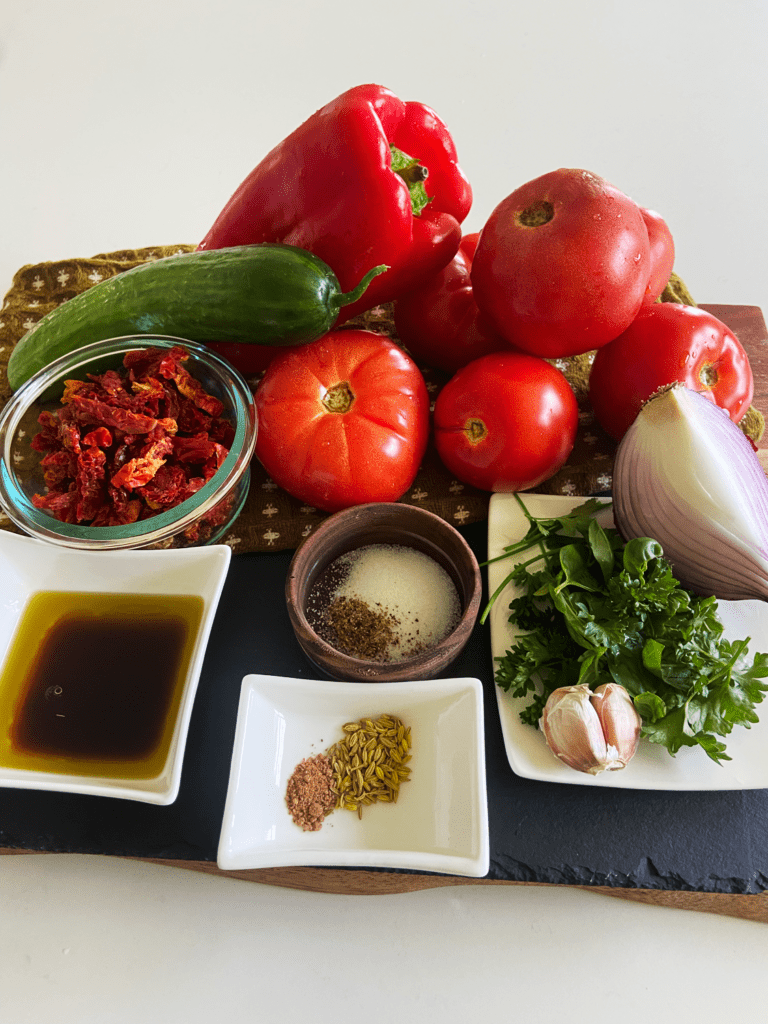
(620, 722)
(572, 729)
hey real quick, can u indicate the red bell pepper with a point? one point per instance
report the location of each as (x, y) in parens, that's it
(439, 322)
(367, 180)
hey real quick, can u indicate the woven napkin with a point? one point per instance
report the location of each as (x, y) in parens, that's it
(271, 519)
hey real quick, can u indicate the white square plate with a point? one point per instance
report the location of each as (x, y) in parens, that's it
(28, 566)
(652, 767)
(440, 820)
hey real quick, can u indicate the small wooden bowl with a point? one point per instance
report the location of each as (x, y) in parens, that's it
(383, 523)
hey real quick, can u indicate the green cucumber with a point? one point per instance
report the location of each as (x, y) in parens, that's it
(259, 294)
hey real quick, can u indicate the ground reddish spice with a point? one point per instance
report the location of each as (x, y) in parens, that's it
(310, 794)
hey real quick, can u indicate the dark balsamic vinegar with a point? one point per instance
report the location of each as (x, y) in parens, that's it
(93, 681)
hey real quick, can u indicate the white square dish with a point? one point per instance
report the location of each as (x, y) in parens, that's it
(440, 820)
(31, 566)
(652, 767)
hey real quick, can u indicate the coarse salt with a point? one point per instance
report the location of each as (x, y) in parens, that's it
(408, 585)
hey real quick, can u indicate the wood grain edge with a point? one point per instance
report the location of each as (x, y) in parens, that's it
(747, 908)
(383, 883)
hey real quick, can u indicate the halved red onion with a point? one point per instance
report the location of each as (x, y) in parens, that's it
(686, 475)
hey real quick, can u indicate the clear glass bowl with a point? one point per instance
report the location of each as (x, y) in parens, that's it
(213, 508)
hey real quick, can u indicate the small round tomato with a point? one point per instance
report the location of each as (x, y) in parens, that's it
(505, 422)
(666, 343)
(248, 359)
(439, 322)
(662, 254)
(562, 264)
(343, 420)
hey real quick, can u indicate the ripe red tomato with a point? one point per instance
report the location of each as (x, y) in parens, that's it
(662, 254)
(505, 422)
(440, 324)
(248, 359)
(668, 342)
(343, 420)
(562, 264)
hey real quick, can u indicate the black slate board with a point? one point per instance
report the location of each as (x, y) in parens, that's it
(540, 832)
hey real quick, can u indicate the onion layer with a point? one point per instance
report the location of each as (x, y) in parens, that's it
(686, 475)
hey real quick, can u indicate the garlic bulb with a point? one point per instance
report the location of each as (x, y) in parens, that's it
(686, 475)
(591, 731)
(620, 723)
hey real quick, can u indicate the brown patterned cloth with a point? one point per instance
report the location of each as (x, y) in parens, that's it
(273, 520)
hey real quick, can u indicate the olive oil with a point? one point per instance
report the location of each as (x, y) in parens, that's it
(93, 682)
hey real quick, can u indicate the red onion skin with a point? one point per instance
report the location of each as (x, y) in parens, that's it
(710, 561)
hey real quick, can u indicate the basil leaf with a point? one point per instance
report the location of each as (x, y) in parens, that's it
(575, 571)
(639, 552)
(650, 706)
(601, 548)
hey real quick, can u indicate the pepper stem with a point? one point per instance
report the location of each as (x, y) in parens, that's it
(345, 298)
(414, 175)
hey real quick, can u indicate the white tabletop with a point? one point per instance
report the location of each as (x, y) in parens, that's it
(129, 124)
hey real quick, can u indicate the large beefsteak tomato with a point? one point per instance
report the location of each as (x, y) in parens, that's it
(343, 420)
(666, 343)
(505, 422)
(562, 264)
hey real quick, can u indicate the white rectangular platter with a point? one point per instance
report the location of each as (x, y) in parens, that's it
(652, 766)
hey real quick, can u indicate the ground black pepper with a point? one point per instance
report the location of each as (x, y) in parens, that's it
(383, 602)
(360, 630)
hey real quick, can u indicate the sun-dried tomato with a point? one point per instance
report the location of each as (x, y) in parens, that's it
(47, 438)
(111, 382)
(100, 437)
(69, 434)
(90, 482)
(139, 470)
(73, 388)
(59, 467)
(191, 419)
(198, 448)
(92, 410)
(151, 394)
(194, 390)
(120, 509)
(154, 362)
(61, 504)
(168, 488)
(127, 444)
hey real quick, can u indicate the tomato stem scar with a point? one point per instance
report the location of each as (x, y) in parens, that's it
(339, 398)
(538, 213)
(475, 430)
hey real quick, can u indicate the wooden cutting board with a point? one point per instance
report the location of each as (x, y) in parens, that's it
(748, 323)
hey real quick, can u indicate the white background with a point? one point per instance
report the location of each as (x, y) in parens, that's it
(125, 124)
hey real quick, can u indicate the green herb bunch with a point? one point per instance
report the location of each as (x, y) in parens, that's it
(596, 610)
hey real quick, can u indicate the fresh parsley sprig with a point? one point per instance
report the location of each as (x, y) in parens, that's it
(594, 610)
